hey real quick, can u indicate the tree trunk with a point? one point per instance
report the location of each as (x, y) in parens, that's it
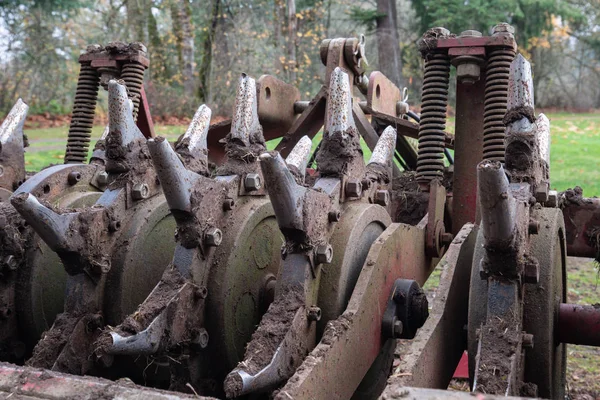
(207, 50)
(388, 42)
(291, 62)
(136, 19)
(187, 48)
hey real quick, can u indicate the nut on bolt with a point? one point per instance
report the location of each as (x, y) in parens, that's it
(503, 28)
(397, 327)
(213, 237)
(353, 188)
(313, 313)
(11, 262)
(252, 182)
(468, 73)
(382, 197)
(334, 215)
(74, 177)
(323, 254)
(140, 191)
(102, 178)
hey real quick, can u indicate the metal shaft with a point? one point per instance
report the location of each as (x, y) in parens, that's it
(579, 324)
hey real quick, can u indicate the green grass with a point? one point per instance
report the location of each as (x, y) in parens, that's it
(574, 154)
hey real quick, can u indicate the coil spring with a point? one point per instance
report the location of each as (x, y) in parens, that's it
(434, 102)
(84, 108)
(133, 75)
(496, 94)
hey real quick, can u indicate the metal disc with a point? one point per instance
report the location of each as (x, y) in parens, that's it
(545, 363)
(40, 290)
(360, 226)
(244, 264)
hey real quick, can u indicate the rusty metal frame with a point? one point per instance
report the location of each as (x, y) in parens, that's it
(398, 252)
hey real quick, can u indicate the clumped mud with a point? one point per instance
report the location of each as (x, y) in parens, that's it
(156, 302)
(409, 204)
(518, 113)
(241, 159)
(14, 235)
(340, 154)
(47, 350)
(269, 335)
(193, 163)
(499, 343)
(429, 41)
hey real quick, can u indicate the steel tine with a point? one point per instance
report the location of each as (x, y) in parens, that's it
(195, 136)
(520, 83)
(11, 130)
(120, 115)
(299, 156)
(176, 180)
(51, 226)
(498, 206)
(543, 137)
(245, 113)
(383, 153)
(339, 104)
(285, 194)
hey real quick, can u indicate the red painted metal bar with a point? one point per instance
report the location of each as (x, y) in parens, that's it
(468, 152)
(144, 121)
(579, 324)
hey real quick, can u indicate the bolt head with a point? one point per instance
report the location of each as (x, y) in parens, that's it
(202, 339)
(382, 197)
(353, 188)
(252, 182)
(503, 28)
(102, 178)
(470, 33)
(74, 177)
(552, 199)
(324, 254)
(334, 215)
(140, 191)
(228, 204)
(398, 327)
(213, 237)
(11, 262)
(468, 73)
(313, 313)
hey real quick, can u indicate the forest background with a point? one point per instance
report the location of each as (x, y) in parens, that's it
(198, 48)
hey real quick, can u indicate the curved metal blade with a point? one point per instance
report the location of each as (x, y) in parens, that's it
(287, 197)
(122, 127)
(194, 139)
(520, 83)
(498, 206)
(11, 130)
(245, 113)
(176, 180)
(299, 156)
(339, 103)
(51, 226)
(383, 153)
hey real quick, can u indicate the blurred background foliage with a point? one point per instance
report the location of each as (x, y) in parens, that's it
(198, 48)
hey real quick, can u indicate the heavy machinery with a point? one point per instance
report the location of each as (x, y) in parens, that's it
(299, 283)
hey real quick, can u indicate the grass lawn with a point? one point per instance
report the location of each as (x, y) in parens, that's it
(574, 152)
(574, 157)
